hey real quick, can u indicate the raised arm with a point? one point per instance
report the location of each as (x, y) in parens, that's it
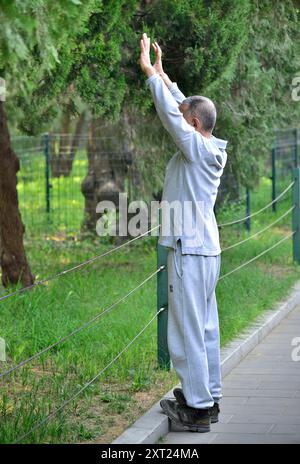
(177, 94)
(190, 142)
(158, 66)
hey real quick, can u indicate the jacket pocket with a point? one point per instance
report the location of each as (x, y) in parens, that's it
(178, 258)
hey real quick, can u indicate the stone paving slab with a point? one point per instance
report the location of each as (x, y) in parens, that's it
(274, 401)
(247, 362)
(261, 395)
(290, 371)
(259, 409)
(261, 376)
(251, 418)
(255, 393)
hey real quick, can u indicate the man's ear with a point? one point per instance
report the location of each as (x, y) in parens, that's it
(196, 123)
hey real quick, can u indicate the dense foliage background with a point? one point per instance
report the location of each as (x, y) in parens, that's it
(241, 54)
(71, 70)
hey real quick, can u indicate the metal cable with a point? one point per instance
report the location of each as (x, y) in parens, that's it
(84, 136)
(257, 256)
(28, 150)
(51, 415)
(79, 329)
(74, 268)
(260, 210)
(65, 403)
(260, 231)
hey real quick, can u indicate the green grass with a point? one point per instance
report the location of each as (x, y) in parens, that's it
(66, 199)
(37, 318)
(243, 295)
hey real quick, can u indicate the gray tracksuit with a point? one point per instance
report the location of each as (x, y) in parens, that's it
(192, 175)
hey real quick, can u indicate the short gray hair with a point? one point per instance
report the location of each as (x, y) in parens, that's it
(202, 108)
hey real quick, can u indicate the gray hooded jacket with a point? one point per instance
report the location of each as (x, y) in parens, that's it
(192, 177)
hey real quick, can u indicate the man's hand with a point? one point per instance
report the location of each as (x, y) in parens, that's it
(145, 61)
(158, 62)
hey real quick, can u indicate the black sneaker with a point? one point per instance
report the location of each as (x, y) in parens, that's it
(214, 410)
(191, 419)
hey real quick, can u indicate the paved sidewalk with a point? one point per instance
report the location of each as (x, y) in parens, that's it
(261, 395)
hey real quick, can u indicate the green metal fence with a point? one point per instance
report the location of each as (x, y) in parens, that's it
(50, 202)
(163, 355)
(52, 172)
(50, 180)
(284, 157)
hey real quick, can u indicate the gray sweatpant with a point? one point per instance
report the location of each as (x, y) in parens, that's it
(193, 325)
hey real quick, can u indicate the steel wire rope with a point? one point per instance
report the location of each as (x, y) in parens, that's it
(260, 231)
(257, 256)
(51, 415)
(80, 328)
(27, 150)
(260, 210)
(69, 400)
(74, 268)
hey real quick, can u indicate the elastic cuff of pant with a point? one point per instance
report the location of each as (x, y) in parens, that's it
(201, 407)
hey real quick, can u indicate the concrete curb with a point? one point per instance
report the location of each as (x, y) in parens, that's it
(153, 425)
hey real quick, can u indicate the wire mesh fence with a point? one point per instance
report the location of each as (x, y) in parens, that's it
(286, 151)
(40, 169)
(62, 177)
(285, 156)
(50, 197)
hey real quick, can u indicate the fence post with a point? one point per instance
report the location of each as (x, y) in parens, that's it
(296, 215)
(163, 356)
(2, 350)
(274, 178)
(47, 171)
(296, 147)
(248, 220)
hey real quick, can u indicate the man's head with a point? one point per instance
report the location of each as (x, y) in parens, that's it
(200, 112)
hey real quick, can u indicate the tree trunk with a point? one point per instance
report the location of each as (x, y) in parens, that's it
(75, 142)
(13, 259)
(109, 156)
(62, 153)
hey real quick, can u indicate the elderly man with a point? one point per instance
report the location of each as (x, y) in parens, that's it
(194, 256)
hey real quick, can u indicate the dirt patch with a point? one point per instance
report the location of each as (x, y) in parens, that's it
(113, 423)
(274, 270)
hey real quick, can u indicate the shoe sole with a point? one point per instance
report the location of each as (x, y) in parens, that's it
(189, 428)
(181, 400)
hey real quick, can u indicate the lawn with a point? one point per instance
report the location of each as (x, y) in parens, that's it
(37, 318)
(66, 202)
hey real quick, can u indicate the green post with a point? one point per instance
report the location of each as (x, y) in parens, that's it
(296, 215)
(296, 147)
(247, 221)
(2, 350)
(47, 172)
(163, 356)
(274, 178)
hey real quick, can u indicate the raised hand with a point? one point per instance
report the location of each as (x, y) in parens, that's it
(158, 62)
(145, 61)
